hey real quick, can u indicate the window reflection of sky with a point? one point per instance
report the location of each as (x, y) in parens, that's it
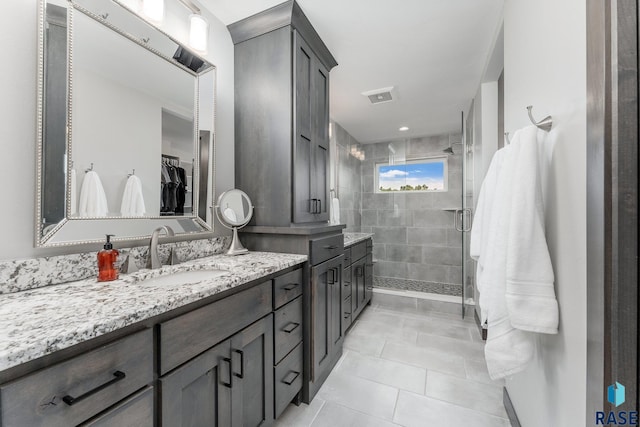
(394, 177)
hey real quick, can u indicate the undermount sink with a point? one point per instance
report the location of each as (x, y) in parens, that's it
(185, 277)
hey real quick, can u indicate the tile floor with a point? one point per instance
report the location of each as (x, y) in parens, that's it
(406, 366)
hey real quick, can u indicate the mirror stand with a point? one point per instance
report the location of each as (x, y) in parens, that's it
(236, 247)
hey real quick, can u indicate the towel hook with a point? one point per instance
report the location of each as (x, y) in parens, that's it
(89, 169)
(132, 173)
(506, 138)
(544, 124)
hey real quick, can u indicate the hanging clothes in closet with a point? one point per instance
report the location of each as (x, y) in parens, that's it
(173, 186)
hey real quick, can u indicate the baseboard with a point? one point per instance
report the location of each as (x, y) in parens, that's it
(508, 406)
(481, 329)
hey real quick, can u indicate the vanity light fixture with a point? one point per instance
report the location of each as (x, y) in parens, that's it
(154, 10)
(198, 32)
(403, 128)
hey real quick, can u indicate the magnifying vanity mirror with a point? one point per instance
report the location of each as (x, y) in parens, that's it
(125, 129)
(234, 211)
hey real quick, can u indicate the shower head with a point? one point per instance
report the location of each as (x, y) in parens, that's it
(448, 150)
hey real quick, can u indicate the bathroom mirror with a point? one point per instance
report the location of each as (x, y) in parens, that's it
(126, 126)
(234, 210)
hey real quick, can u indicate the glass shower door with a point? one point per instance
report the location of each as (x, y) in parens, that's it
(465, 215)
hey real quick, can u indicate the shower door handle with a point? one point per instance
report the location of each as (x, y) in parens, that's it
(466, 225)
(457, 222)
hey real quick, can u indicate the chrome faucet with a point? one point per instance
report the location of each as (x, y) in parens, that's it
(154, 259)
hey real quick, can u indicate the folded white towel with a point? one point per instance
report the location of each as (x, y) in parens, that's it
(530, 295)
(132, 198)
(93, 201)
(73, 197)
(334, 213)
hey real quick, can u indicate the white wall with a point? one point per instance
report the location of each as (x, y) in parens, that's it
(545, 66)
(18, 73)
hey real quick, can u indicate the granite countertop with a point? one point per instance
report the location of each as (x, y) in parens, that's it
(38, 322)
(353, 238)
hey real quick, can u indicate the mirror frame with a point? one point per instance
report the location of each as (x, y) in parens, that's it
(224, 220)
(45, 239)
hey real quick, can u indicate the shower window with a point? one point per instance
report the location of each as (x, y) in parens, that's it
(419, 175)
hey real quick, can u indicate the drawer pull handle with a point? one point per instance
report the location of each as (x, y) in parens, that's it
(291, 327)
(295, 376)
(290, 286)
(70, 400)
(331, 247)
(227, 384)
(241, 374)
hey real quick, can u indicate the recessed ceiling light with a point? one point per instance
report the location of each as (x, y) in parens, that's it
(403, 129)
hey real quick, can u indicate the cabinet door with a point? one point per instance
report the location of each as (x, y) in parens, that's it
(326, 317)
(199, 393)
(320, 133)
(368, 277)
(252, 362)
(304, 202)
(311, 136)
(358, 296)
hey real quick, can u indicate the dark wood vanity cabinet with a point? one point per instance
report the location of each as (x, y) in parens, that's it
(359, 290)
(282, 116)
(231, 384)
(236, 361)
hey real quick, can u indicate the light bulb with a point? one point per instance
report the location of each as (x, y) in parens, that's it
(154, 10)
(198, 33)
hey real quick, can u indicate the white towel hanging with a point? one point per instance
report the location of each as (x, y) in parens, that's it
(93, 200)
(73, 198)
(132, 198)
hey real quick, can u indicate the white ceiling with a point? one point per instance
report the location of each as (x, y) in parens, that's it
(433, 52)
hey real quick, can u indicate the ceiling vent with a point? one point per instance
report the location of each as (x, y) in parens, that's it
(379, 96)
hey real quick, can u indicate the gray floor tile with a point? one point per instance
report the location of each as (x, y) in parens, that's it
(384, 371)
(415, 410)
(333, 415)
(300, 416)
(425, 358)
(363, 344)
(477, 371)
(389, 332)
(442, 327)
(470, 394)
(467, 349)
(362, 395)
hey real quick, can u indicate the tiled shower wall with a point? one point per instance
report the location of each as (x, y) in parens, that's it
(346, 177)
(416, 245)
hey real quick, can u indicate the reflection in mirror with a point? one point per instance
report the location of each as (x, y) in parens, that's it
(124, 118)
(234, 210)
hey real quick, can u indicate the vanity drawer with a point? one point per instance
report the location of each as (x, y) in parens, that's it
(137, 411)
(326, 248)
(358, 251)
(288, 379)
(73, 391)
(347, 256)
(186, 336)
(287, 287)
(287, 327)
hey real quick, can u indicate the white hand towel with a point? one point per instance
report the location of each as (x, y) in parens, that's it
(93, 201)
(530, 294)
(335, 211)
(73, 197)
(132, 198)
(230, 214)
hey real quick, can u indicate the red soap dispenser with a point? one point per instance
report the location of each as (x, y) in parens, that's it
(107, 257)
